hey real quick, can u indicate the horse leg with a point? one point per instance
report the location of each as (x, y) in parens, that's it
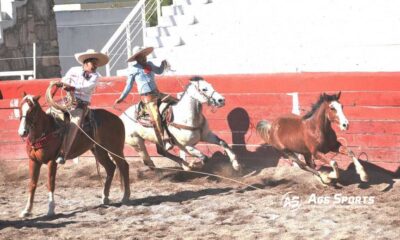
(309, 160)
(335, 172)
(184, 165)
(210, 137)
(324, 179)
(102, 158)
(194, 152)
(123, 168)
(51, 185)
(140, 148)
(34, 171)
(359, 168)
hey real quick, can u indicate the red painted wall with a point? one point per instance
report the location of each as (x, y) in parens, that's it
(371, 103)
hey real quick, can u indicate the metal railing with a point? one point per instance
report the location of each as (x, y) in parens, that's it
(131, 32)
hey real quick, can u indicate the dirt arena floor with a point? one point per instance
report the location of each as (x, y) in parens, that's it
(287, 204)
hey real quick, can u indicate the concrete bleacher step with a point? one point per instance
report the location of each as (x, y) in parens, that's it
(191, 2)
(176, 20)
(175, 10)
(172, 29)
(165, 41)
(162, 31)
(160, 54)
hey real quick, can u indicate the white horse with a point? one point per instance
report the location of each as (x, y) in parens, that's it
(189, 126)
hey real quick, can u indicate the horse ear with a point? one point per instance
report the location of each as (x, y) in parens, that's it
(36, 98)
(338, 95)
(23, 94)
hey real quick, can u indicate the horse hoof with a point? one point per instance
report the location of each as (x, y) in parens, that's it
(51, 213)
(150, 164)
(324, 178)
(185, 167)
(125, 201)
(196, 165)
(105, 201)
(25, 214)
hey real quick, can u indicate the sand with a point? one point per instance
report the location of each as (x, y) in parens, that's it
(287, 204)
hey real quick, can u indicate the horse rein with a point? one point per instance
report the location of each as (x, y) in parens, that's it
(210, 100)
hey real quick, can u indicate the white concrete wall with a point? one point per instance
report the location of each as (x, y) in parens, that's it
(87, 29)
(265, 36)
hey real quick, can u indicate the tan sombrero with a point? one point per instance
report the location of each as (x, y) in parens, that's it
(140, 51)
(102, 59)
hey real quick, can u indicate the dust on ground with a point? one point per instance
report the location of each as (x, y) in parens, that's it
(287, 203)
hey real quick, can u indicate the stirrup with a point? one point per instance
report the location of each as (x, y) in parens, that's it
(60, 160)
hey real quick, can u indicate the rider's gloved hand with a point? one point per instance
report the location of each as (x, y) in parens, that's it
(165, 64)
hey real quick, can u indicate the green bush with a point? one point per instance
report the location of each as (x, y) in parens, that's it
(151, 12)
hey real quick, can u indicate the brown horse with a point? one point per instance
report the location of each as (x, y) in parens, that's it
(44, 138)
(312, 136)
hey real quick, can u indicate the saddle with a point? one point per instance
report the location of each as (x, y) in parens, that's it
(62, 119)
(165, 108)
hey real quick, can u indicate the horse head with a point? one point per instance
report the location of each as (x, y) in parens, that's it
(204, 92)
(335, 112)
(29, 109)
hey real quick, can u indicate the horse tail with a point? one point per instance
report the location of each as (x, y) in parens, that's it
(263, 128)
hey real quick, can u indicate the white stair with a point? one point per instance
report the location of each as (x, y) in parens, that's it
(172, 27)
(176, 20)
(259, 36)
(161, 31)
(163, 41)
(8, 14)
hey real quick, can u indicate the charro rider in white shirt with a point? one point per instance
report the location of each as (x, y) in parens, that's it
(82, 80)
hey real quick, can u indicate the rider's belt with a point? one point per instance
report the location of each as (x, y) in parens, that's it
(149, 96)
(154, 92)
(80, 103)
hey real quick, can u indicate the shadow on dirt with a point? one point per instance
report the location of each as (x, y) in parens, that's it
(251, 161)
(42, 222)
(376, 174)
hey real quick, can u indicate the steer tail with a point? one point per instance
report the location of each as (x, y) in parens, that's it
(263, 128)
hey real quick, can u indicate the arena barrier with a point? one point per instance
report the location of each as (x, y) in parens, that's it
(371, 103)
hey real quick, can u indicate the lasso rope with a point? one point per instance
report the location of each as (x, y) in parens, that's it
(169, 169)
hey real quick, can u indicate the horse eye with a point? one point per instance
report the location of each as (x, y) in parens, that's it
(204, 89)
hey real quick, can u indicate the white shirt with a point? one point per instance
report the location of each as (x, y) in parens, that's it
(84, 88)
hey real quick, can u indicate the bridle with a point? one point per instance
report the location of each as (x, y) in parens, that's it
(210, 99)
(31, 120)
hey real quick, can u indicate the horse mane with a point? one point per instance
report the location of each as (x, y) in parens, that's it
(193, 79)
(196, 79)
(322, 98)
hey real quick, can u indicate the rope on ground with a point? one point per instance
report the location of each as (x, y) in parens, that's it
(177, 170)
